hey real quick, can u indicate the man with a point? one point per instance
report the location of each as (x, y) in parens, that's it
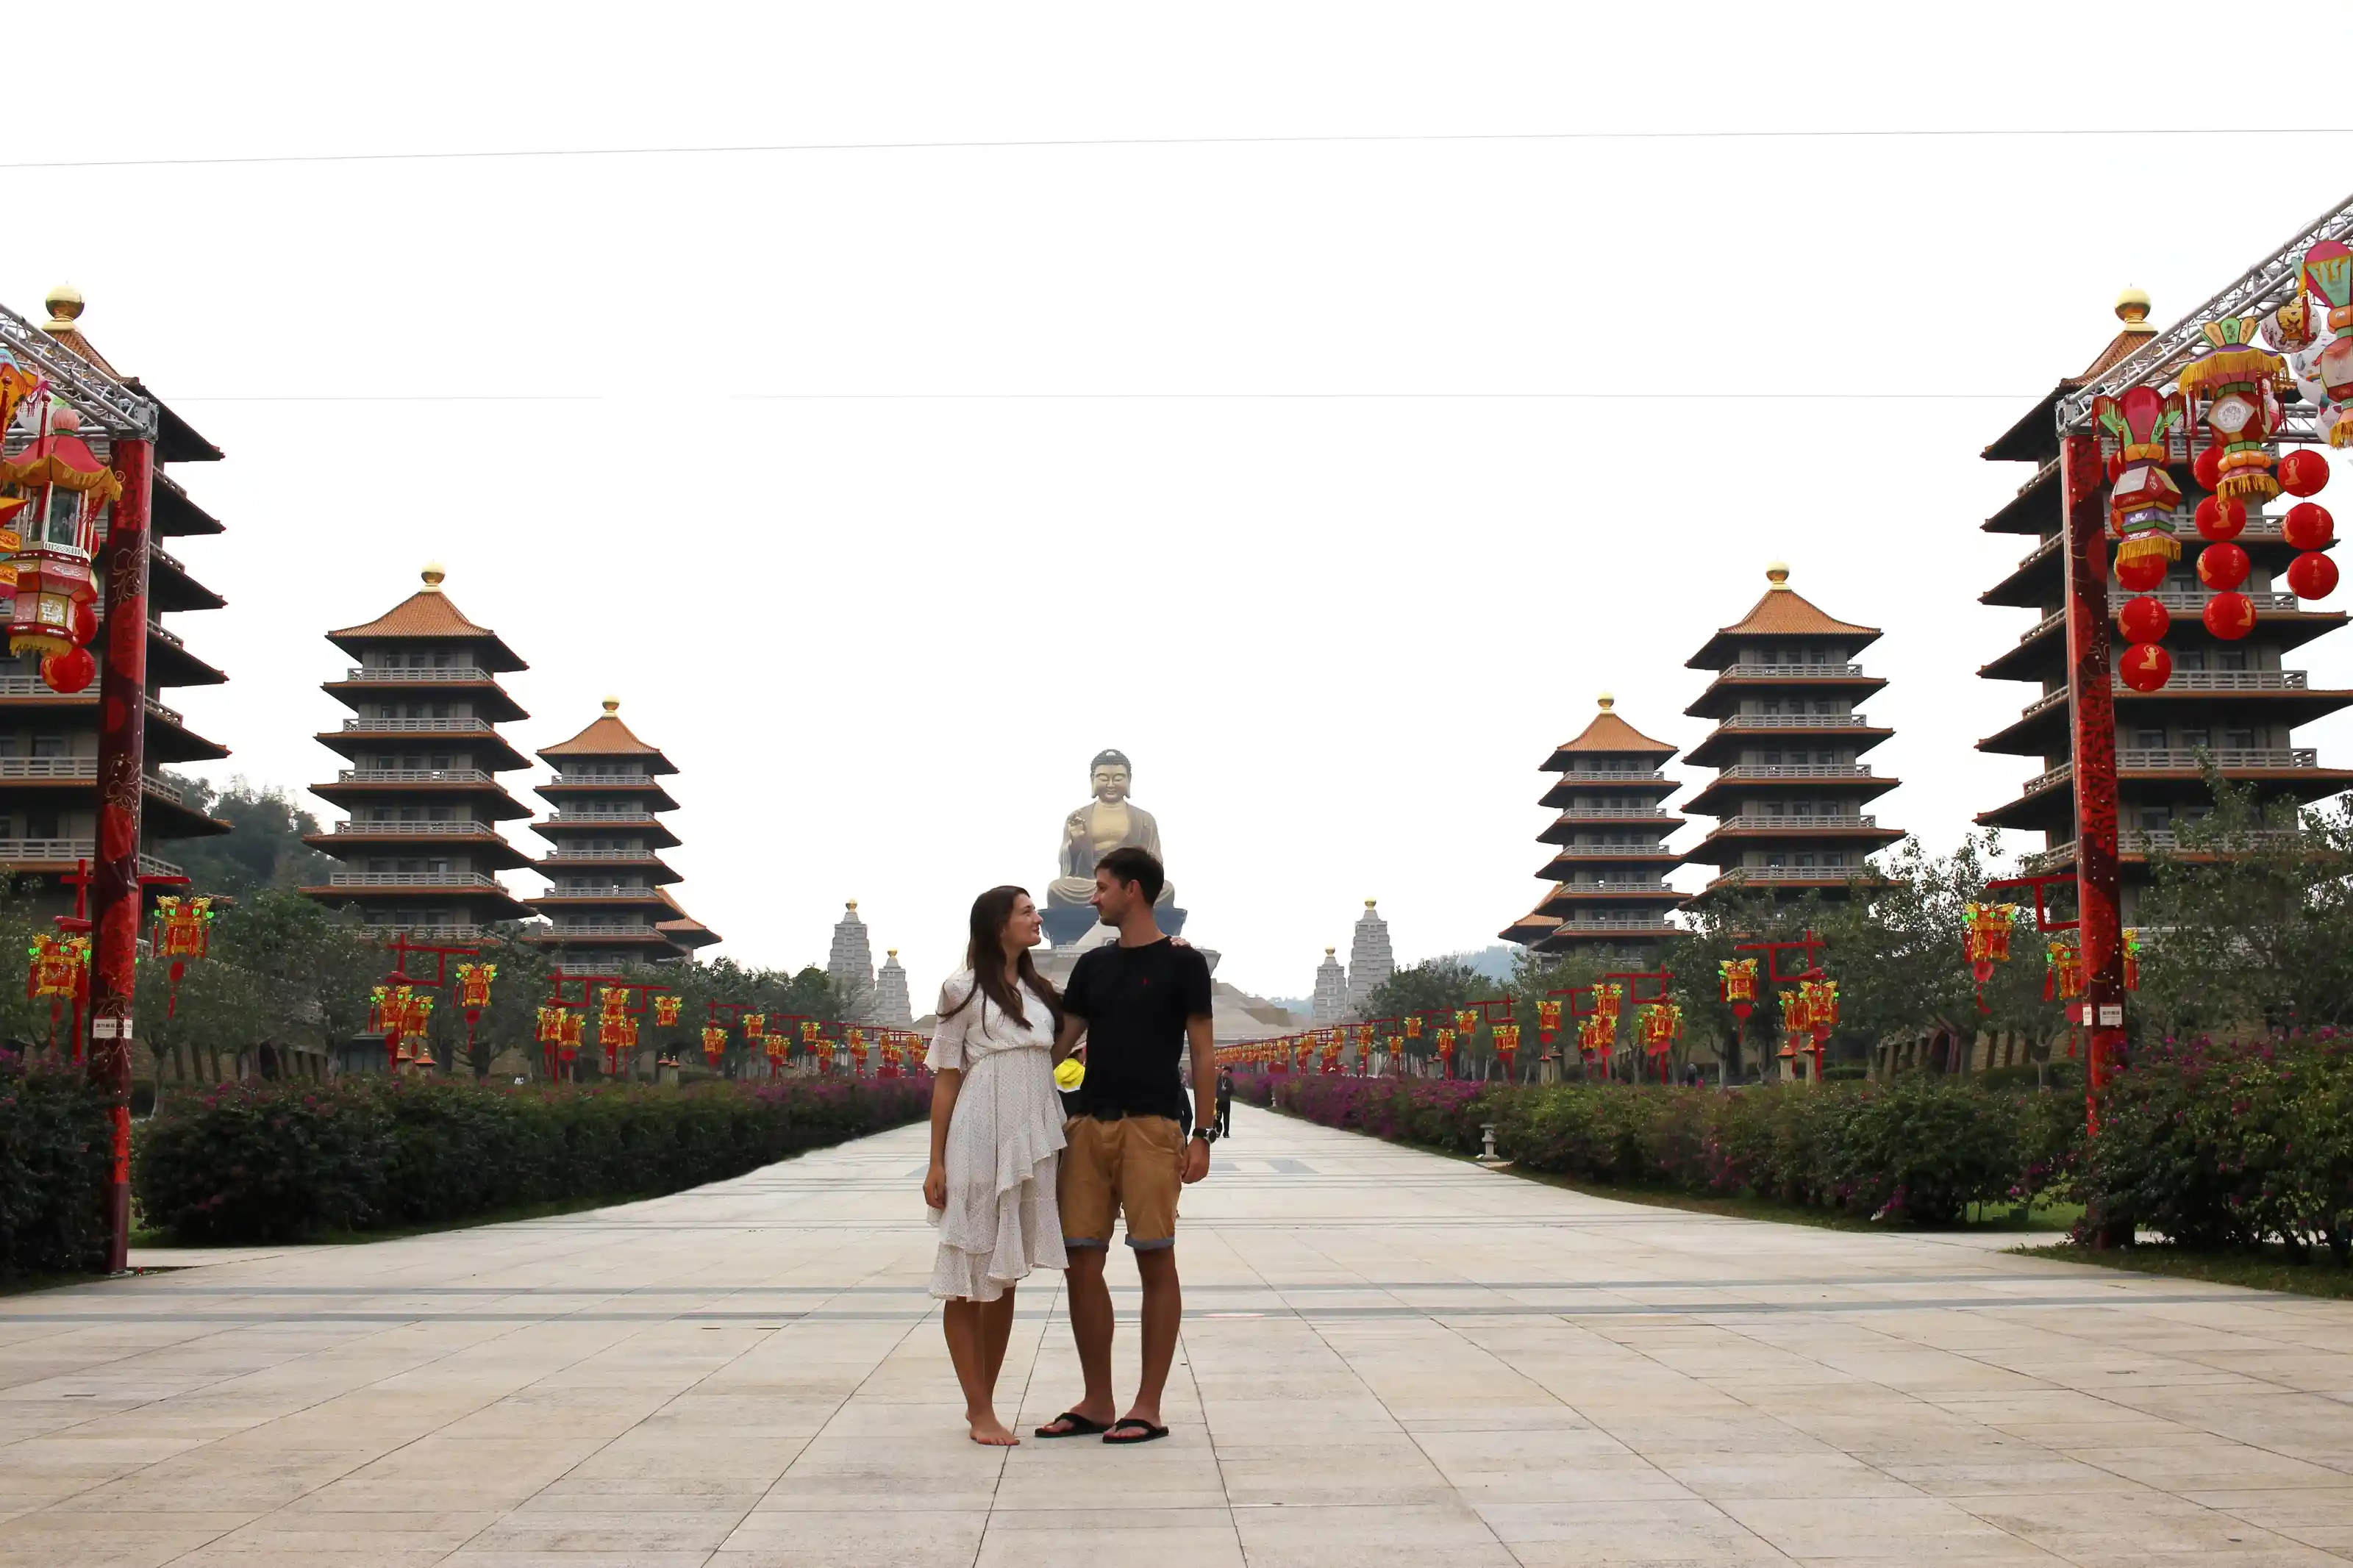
(1225, 1102)
(1141, 1003)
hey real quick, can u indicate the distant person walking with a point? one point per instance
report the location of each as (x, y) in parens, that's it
(1225, 1102)
(1141, 1001)
(997, 1128)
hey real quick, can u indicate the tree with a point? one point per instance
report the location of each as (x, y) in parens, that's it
(264, 847)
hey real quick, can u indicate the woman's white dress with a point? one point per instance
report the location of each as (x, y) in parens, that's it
(1003, 1138)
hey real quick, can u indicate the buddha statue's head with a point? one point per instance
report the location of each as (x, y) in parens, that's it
(1110, 774)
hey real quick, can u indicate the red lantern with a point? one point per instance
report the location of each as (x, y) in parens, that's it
(2312, 575)
(85, 625)
(2145, 666)
(2229, 615)
(2307, 525)
(70, 671)
(2220, 519)
(2223, 565)
(2145, 619)
(2208, 469)
(2303, 473)
(2141, 573)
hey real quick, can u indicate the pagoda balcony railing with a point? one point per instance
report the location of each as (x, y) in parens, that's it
(49, 767)
(2043, 703)
(153, 785)
(1611, 813)
(2159, 841)
(629, 816)
(614, 781)
(438, 675)
(1617, 885)
(422, 726)
(599, 855)
(2059, 774)
(158, 552)
(1793, 771)
(2195, 599)
(157, 709)
(2185, 526)
(599, 892)
(155, 629)
(34, 686)
(446, 931)
(2179, 759)
(1614, 852)
(414, 879)
(463, 828)
(1747, 823)
(2055, 618)
(2048, 547)
(1823, 671)
(2040, 474)
(2235, 680)
(1616, 922)
(413, 776)
(1609, 776)
(22, 851)
(577, 930)
(1796, 721)
(1825, 874)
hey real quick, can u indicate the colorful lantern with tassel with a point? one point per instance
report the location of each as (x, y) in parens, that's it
(64, 489)
(1985, 939)
(667, 1008)
(474, 994)
(2327, 274)
(2233, 396)
(1737, 979)
(2062, 972)
(59, 970)
(2139, 433)
(183, 931)
(755, 1026)
(1548, 1020)
(2132, 959)
(1658, 1025)
(1507, 1046)
(714, 1043)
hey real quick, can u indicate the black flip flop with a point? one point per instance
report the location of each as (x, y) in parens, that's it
(1151, 1433)
(1080, 1427)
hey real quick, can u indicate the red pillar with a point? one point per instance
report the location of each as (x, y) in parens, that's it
(2082, 500)
(121, 759)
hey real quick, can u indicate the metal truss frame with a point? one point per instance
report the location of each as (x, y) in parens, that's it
(2260, 290)
(124, 414)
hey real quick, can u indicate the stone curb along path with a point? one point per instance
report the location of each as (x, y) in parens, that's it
(1389, 1357)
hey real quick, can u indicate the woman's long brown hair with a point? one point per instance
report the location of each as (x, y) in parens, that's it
(984, 956)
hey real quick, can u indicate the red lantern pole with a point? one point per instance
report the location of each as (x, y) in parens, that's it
(121, 759)
(2092, 701)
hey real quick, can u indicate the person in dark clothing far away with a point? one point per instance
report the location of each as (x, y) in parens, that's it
(1226, 1102)
(1141, 1004)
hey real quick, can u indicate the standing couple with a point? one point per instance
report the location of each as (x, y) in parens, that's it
(1015, 1185)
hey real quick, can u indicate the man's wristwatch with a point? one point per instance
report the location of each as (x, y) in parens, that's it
(1206, 1134)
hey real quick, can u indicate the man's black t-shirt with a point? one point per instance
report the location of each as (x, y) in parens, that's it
(1136, 1002)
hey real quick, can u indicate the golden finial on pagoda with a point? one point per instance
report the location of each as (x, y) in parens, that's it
(612, 705)
(2132, 310)
(1778, 573)
(65, 303)
(433, 574)
(852, 906)
(1370, 902)
(1607, 700)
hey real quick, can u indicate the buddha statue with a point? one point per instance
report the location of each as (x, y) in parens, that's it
(1107, 822)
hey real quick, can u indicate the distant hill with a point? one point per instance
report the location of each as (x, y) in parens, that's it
(1494, 963)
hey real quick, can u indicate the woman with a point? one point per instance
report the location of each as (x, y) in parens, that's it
(996, 1127)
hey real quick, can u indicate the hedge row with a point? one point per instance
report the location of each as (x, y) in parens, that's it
(1918, 1151)
(54, 1148)
(282, 1161)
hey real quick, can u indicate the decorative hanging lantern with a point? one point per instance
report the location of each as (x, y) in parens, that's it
(1413, 1028)
(755, 1026)
(2145, 666)
(2139, 433)
(615, 1030)
(2132, 959)
(64, 489)
(776, 1045)
(2308, 526)
(2312, 575)
(1737, 979)
(714, 1044)
(2229, 615)
(2233, 396)
(59, 970)
(387, 1011)
(809, 1028)
(2145, 619)
(1985, 939)
(550, 1035)
(1548, 1020)
(2304, 472)
(474, 994)
(1609, 997)
(2327, 274)
(1794, 1024)
(666, 1009)
(183, 931)
(1658, 1026)
(1446, 1048)
(856, 1053)
(1822, 1004)
(575, 1029)
(2062, 972)
(1507, 1046)
(416, 1019)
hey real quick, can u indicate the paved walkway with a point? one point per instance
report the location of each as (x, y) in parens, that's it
(1389, 1358)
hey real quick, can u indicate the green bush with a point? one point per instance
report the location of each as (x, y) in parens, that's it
(54, 1148)
(282, 1161)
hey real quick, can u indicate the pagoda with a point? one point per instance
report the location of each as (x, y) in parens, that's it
(421, 841)
(1790, 786)
(2230, 701)
(1609, 873)
(607, 897)
(48, 740)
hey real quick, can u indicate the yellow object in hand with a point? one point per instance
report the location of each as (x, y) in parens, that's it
(1069, 1073)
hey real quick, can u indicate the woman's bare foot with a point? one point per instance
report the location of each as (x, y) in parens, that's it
(986, 1428)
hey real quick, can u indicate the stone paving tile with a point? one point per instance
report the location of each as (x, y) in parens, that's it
(1389, 1359)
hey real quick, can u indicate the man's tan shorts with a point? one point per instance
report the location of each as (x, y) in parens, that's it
(1132, 1166)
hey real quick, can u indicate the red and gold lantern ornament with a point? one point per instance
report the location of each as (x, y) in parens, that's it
(615, 1030)
(1794, 1026)
(416, 1020)
(714, 1043)
(64, 489)
(1507, 1046)
(1413, 1028)
(2327, 274)
(2308, 526)
(858, 1053)
(183, 931)
(1984, 940)
(2232, 395)
(550, 1035)
(474, 994)
(1597, 1038)
(1658, 1025)
(1608, 999)
(667, 1008)
(58, 969)
(2062, 971)
(1737, 979)
(1446, 1049)
(2229, 616)
(2139, 433)
(574, 1029)
(755, 1027)
(1466, 1022)
(1547, 1021)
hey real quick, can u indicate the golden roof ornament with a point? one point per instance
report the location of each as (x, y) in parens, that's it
(65, 306)
(433, 575)
(2132, 310)
(612, 705)
(1607, 701)
(1778, 573)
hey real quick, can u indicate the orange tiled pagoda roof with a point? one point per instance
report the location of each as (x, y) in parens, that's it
(1783, 612)
(608, 737)
(426, 614)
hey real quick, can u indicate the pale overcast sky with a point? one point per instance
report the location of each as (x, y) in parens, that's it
(887, 481)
